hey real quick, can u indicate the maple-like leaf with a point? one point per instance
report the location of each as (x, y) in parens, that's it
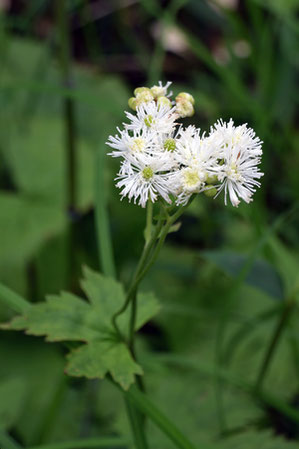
(66, 317)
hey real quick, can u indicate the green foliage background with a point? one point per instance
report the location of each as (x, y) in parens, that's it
(221, 279)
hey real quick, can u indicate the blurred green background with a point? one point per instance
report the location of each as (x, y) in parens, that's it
(222, 279)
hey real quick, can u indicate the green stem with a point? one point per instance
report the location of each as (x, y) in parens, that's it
(69, 106)
(133, 322)
(104, 241)
(104, 442)
(149, 220)
(143, 259)
(171, 220)
(278, 330)
(148, 258)
(136, 423)
(141, 401)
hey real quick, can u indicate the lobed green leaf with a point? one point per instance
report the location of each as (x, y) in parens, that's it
(67, 317)
(96, 359)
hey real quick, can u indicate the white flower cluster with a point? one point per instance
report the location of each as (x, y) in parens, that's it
(161, 159)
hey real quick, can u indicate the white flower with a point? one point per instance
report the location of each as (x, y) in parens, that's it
(240, 156)
(198, 161)
(226, 134)
(161, 159)
(193, 148)
(145, 178)
(131, 142)
(150, 116)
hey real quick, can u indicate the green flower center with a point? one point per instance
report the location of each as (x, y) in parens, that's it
(169, 145)
(149, 120)
(147, 173)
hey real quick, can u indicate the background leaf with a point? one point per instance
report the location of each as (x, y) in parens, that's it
(261, 275)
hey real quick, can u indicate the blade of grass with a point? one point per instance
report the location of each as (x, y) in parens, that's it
(64, 39)
(104, 241)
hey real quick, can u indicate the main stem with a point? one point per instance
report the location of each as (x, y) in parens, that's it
(148, 258)
(147, 249)
(137, 424)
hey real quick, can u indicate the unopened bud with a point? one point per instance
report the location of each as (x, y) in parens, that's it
(212, 179)
(140, 90)
(132, 103)
(184, 108)
(158, 91)
(144, 97)
(185, 96)
(164, 101)
(210, 192)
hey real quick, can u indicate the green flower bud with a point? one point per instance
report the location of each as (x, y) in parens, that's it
(184, 108)
(169, 145)
(158, 91)
(164, 101)
(210, 192)
(132, 103)
(139, 90)
(144, 97)
(185, 96)
(212, 179)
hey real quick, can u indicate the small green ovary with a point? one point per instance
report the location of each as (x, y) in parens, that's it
(149, 121)
(169, 145)
(211, 179)
(147, 173)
